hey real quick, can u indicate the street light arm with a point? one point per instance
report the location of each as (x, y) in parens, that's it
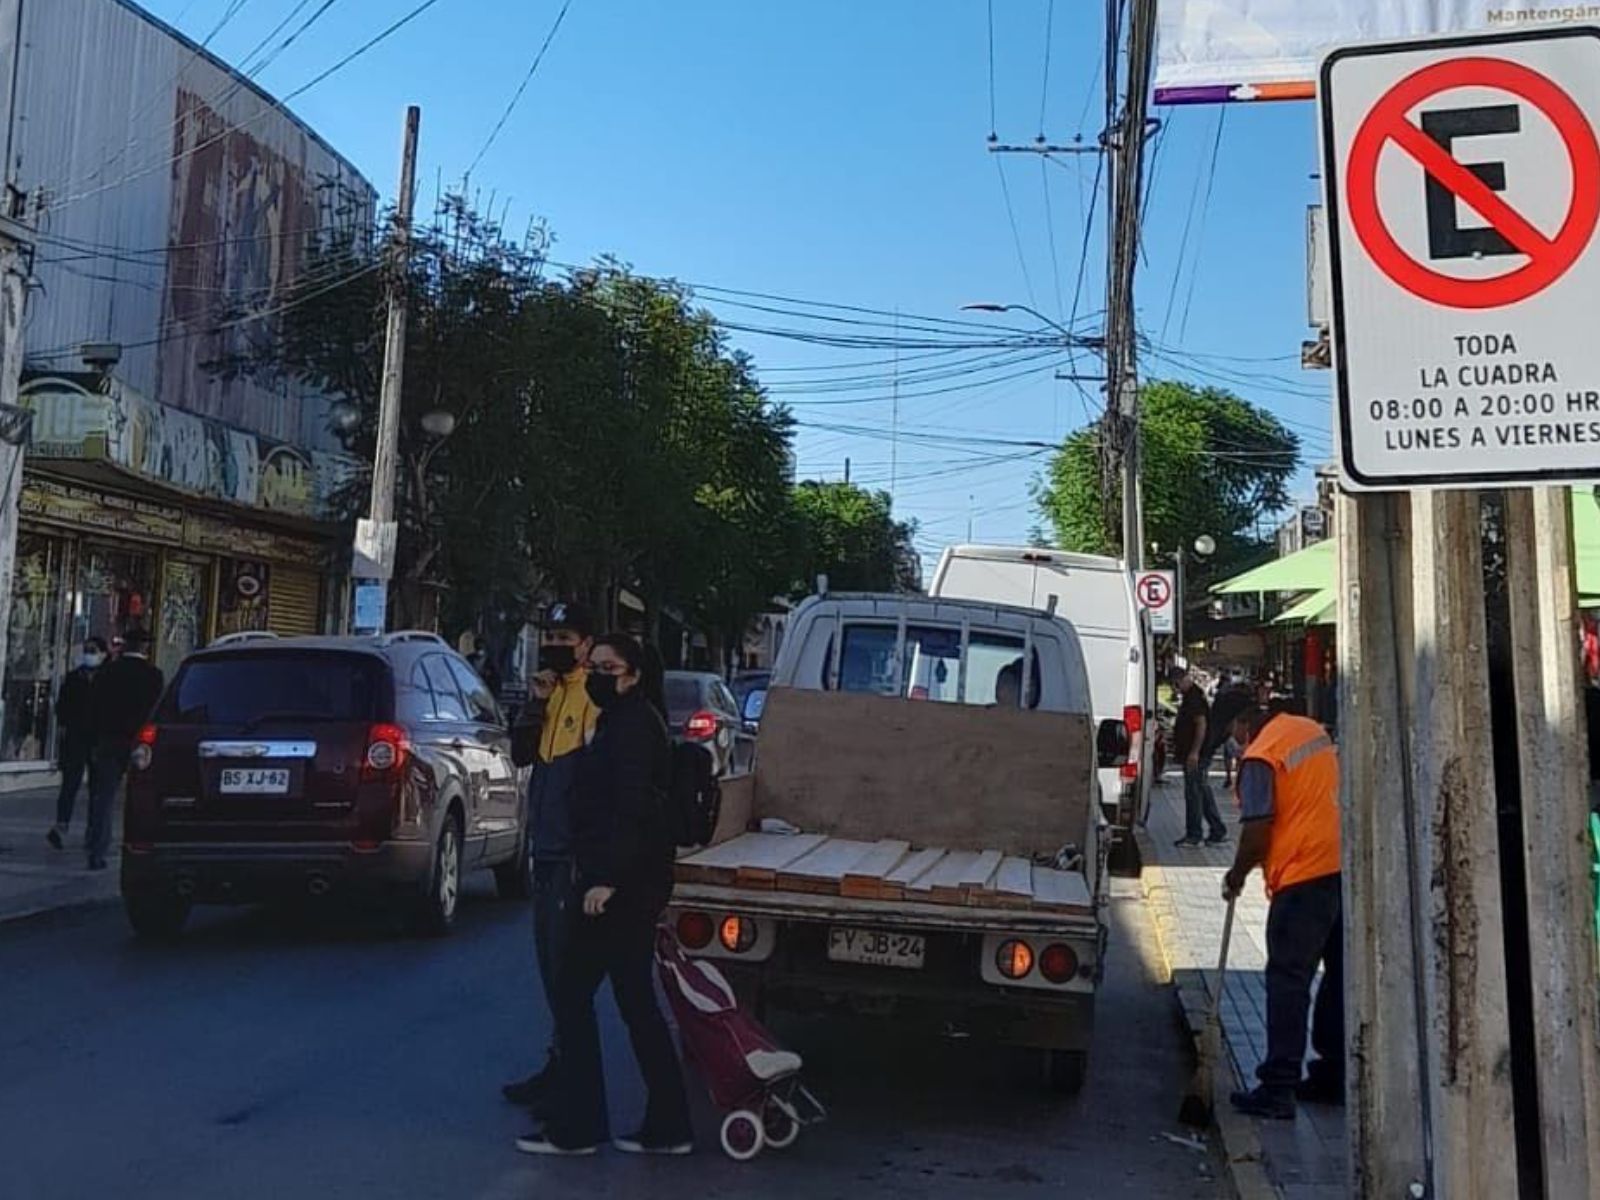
(1032, 312)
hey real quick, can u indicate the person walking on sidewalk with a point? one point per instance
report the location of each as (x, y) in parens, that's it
(551, 732)
(1289, 794)
(1199, 801)
(124, 692)
(76, 737)
(624, 848)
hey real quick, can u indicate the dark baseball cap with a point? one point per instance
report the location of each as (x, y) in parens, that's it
(562, 615)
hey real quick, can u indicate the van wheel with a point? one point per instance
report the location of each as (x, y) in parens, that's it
(156, 918)
(1065, 1070)
(436, 910)
(513, 879)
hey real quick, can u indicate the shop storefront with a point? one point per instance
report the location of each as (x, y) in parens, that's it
(121, 529)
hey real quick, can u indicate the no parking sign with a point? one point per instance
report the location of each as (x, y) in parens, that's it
(1155, 592)
(1463, 175)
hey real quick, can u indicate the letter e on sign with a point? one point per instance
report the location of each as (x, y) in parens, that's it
(1154, 590)
(1462, 179)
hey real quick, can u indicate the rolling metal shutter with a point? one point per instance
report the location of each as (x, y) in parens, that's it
(294, 601)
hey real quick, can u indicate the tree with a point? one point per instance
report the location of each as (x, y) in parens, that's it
(1212, 464)
(849, 534)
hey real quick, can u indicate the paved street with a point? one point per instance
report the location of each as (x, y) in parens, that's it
(272, 1055)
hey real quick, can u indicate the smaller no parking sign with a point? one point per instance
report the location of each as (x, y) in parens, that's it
(1155, 592)
(1463, 175)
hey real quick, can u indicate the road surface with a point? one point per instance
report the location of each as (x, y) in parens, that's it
(273, 1055)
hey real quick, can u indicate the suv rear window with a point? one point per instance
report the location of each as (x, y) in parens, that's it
(239, 689)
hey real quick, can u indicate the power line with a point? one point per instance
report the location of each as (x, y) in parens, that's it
(1044, 87)
(1205, 211)
(1050, 229)
(993, 123)
(521, 88)
(1016, 237)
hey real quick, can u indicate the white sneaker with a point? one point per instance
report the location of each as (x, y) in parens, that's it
(640, 1144)
(543, 1143)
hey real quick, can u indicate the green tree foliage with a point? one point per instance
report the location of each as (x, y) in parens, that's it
(849, 534)
(1212, 464)
(604, 434)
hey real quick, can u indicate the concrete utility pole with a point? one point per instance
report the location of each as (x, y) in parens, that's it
(375, 537)
(385, 457)
(1126, 184)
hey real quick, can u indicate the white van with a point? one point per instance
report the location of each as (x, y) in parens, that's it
(1096, 596)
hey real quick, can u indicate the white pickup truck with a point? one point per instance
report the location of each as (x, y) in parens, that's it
(922, 837)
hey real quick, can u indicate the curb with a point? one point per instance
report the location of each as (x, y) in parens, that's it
(1241, 1146)
(66, 906)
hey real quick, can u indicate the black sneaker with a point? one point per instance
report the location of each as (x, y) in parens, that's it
(1187, 843)
(1270, 1104)
(54, 838)
(552, 1145)
(645, 1142)
(98, 864)
(1217, 839)
(527, 1091)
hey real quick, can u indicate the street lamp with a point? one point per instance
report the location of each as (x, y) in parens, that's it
(1032, 312)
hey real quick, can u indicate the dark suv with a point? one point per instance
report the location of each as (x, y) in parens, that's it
(300, 766)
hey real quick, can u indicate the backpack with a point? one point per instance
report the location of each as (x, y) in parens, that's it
(694, 801)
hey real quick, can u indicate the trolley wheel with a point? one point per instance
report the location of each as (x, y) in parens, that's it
(742, 1136)
(780, 1123)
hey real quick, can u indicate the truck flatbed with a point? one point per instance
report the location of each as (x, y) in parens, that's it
(885, 870)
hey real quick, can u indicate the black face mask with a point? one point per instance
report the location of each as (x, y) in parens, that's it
(602, 689)
(557, 658)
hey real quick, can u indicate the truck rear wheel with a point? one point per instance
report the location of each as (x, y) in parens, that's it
(1065, 1070)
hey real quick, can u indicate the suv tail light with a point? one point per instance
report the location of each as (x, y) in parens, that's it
(1133, 718)
(701, 727)
(387, 748)
(144, 749)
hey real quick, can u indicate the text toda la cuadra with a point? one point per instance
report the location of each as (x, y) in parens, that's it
(1534, 410)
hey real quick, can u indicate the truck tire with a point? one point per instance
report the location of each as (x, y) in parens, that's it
(1065, 1070)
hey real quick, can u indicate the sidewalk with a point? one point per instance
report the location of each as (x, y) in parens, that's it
(34, 878)
(1302, 1159)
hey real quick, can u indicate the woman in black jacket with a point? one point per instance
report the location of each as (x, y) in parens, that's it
(624, 851)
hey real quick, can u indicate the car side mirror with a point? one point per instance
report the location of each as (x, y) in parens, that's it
(1113, 743)
(754, 704)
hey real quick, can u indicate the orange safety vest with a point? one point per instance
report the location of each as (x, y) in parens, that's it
(1305, 800)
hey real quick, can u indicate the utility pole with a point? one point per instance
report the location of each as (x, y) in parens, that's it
(1126, 173)
(375, 537)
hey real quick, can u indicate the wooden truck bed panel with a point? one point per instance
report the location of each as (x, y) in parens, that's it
(885, 870)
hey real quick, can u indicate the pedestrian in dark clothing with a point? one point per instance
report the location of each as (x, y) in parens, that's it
(624, 847)
(551, 733)
(1199, 802)
(1289, 794)
(125, 692)
(75, 744)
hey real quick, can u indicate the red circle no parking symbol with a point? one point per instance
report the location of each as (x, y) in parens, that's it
(1154, 591)
(1548, 257)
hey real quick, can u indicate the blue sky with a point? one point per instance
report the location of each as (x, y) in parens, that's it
(835, 151)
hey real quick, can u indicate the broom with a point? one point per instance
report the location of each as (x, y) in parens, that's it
(1196, 1106)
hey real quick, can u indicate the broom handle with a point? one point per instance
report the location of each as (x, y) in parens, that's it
(1222, 961)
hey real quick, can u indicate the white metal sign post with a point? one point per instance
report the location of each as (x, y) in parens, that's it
(1155, 590)
(1463, 188)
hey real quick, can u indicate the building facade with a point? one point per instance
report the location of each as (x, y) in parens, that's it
(174, 206)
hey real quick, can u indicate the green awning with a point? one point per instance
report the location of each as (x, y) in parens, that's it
(1310, 570)
(1319, 608)
(1586, 545)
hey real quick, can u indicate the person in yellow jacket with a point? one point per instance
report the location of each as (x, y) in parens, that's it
(557, 724)
(1289, 802)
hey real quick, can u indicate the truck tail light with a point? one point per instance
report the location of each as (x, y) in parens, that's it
(695, 930)
(1014, 959)
(144, 749)
(701, 727)
(387, 748)
(1058, 963)
(737, 934)
(1133, 719)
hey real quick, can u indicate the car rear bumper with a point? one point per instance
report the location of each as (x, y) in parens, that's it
(238, 873)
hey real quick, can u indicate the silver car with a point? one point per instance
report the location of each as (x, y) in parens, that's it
(701, 709)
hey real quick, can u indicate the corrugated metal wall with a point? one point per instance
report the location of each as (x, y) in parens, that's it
(167, 193)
